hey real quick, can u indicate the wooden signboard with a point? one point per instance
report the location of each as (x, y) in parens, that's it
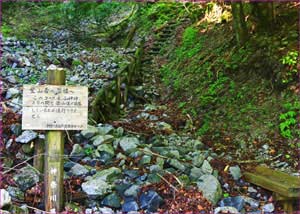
(55, 107)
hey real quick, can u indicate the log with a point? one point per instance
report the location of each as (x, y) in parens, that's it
(286, 188)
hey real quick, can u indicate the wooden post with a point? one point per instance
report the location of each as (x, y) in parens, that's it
(39, 149)
(54, 171)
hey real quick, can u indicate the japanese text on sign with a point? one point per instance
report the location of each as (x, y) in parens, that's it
(50, 107)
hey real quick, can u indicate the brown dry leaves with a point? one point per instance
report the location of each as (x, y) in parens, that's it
(184, 201)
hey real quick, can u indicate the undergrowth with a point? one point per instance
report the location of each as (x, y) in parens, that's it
(233, 90)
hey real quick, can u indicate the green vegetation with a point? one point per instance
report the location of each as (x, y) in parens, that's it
(290, 60)
(288, 121)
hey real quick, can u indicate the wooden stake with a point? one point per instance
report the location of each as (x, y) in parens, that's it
(39, 149)
(54, 171)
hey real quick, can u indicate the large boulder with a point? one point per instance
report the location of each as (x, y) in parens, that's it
(210, 187)
(27, 178)
(128, 143)
(89, 132)
(79, 170)
(26, 136)
(100, 183)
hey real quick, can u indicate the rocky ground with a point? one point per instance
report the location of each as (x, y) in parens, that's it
(142, 163)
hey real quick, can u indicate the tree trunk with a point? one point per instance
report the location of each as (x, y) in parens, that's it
(264, 12)
(239, 23)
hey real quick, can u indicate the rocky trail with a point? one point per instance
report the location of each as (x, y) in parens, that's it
(144, 162)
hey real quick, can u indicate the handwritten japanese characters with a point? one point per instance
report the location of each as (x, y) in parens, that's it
(51, 107)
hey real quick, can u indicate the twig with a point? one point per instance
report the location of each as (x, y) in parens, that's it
(36, 209)
(258, 161)
(13, 103)
(295, 5)
(177, 179)
(167, 182)
(69, 138)
(136, 133)
(187, 10)
(28, 159)
(153, 153)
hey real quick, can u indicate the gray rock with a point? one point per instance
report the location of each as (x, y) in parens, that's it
(89, 132)
(265, 147)
(128, 143)
(173, 154)
(119, 132)
(236, 202)
(106, 148)
(107, 174)
(195, 144)
(78, 170)
(268, 207)
(196, 173)
(96, 187)
(252, 190)
(146, 159)
(88, 211)
(5, 198)
(25, 61)
(26, 136)
(155, 168)
(100, 139)
(206, 168)
(74, 78)
(105, 129)
(132, 191)
(68, 165)
(153, 117)
(77, 151)
(9, 143)
(164, 127)
(150, 107)
(15, 193)
(235, 171)
(130, 205)
(230, 210)
(210, 187)
(105, 210)
(281, 164)
(11, 79)
(150, 201)
(11, 93)
(26, 178)
(252, 202)
(198, 159)
(177, 165)
(16, 104)
(160, 162)
(143, 115)
(112, 200)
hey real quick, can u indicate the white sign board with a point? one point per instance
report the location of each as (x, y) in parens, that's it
(53, 107)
